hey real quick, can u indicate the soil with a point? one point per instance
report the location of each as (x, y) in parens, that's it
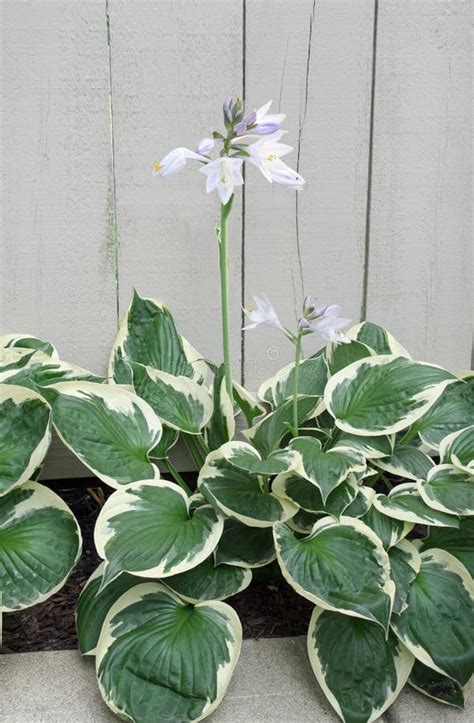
(266, 609)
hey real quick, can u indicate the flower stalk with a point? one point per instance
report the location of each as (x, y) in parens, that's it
(297, 342)
(224, 274)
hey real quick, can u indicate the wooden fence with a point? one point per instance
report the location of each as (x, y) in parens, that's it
(378, 101)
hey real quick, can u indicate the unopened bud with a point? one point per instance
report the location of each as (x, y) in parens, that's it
(205, 146)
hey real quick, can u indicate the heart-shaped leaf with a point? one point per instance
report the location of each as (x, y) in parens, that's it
(457, 542)
(307, 495)
(267, 434)
(245, 546)
(377, 338)
(448, 489)
(458, 448)
(209, 581)
(311, 382)
(405, 503)
(406, 461)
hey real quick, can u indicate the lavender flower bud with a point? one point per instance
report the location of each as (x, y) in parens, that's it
(250, 118)
(227, 108)
(264, 129)
(303, 324)
(205, 146)
(240, 129)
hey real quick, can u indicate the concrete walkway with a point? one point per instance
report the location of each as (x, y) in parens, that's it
(273, 682)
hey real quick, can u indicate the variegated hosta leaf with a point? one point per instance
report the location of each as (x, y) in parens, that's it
(25, 341)
(458, 542)
(181, 403)
(458, 448)
(93, 605)
(405, 563)
(453, 411)
(25, 434)
(221, 427)
(109, 428)
(146, 529)
(377, 338)
(406, 461)
(243, 456)
(267, 434)
(168, 439)
(42, 371)
(360, 671)
(14, 359)
(160, 659)
(147, 335)
(245, 546)
(340, 566)
(405, 503)
(40, 542)
(383, 394)
(326, 469)
(388, 529)
(209, 581)
(338, 356)
(362, 502)
(437, 625)
(303, 522)
(437, 686)
(312, 380)
(248, 404)
(307, 494)
(448, 489)
(241, 495)
(369, 447)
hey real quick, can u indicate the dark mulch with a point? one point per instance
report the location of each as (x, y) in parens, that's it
(266, 609)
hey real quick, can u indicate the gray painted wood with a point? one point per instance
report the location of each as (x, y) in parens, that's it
(56, 273)
(83, 221)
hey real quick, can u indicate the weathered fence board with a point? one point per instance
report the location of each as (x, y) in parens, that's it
(56, 274)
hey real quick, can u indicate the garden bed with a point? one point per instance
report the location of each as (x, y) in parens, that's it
(266, 609)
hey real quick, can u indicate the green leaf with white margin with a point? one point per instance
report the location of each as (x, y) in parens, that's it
(110, 429)
(42, 371)
(454, 410)
(243, 456)
(437, 686)
(241, 495)
(383, 394)
(377, 338)
(93, 605)
(168, 439)
(267, 434)
(406, 461)
(360, 671)
(362, 502)
(405, 563)
(160, 659)
(247, 403)
(438, 624)
(209, 581)
(307, 495)
(25, 434)
(26, 341)
(405, 503)
(457, 542)
(312, 381)
(340, 566)
(244, 546)
(14, 359)
(148, 335)
(458, 448)
(40, 542)
(181, 403)
(326, 469)
(389, 530)
(146, 529)
(221, 426)
(448, 489)
(303, 522)
(370, 447)
(339, 356)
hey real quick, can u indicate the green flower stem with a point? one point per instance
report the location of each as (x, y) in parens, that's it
(194, 450)
(176, 476)
(296, 384)
(201, 444)
(224, 271)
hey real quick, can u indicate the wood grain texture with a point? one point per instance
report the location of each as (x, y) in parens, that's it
(173, 63)
(56, 276)
(314, 59)
(420, 265)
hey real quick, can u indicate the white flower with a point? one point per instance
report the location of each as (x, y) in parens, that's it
(261, 313)
(223, 174)
(331, 326)
(268, 119)
(174, 161)
(266, 155)
(206, 145)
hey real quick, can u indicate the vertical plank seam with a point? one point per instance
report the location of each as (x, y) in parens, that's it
(368, 205)
(300, 134)
(242, 250)
(113, 230)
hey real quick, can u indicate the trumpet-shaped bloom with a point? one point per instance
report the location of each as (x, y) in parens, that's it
(174, 161)
(267, 122)
(266, 154)
(261, 313)
(223, 175)
(331, 326)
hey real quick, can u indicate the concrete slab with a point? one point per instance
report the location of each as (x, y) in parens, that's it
(273, 682)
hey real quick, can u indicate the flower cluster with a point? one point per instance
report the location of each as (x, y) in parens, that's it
(253, 137)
